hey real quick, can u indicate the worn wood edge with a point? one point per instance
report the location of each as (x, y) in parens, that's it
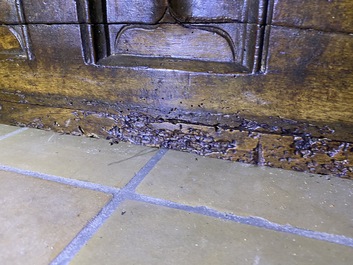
(300, 153)
(338, 131)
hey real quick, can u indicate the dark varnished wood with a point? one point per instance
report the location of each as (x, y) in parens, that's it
(288, 104)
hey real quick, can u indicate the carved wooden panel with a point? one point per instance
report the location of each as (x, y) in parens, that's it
(224, 78)
(14, 36)
(225, 36)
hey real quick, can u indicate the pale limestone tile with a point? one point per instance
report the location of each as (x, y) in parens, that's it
(285, 197)
(81, 158)
(5, 129)
(39, 218)
(140, 233)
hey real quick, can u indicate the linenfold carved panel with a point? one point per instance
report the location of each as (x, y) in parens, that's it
(192, 35)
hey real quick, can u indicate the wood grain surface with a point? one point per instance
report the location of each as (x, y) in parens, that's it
(296, 113)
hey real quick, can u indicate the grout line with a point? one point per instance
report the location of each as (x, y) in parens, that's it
(87, 232)
(92, 227)
(12, 133)
(62, 180)
(128, 192)
(252, 221)
(137, 179)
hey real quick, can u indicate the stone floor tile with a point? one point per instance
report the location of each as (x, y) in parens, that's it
(5, 129)
(302, 200)
(140, 233)
(39, 218)
(81, 158)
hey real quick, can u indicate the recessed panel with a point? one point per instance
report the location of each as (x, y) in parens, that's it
(206, 36)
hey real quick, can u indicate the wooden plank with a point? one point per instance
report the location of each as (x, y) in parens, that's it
(336, 16)
(53, 11)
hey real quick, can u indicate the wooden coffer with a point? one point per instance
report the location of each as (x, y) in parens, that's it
(268, 82)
